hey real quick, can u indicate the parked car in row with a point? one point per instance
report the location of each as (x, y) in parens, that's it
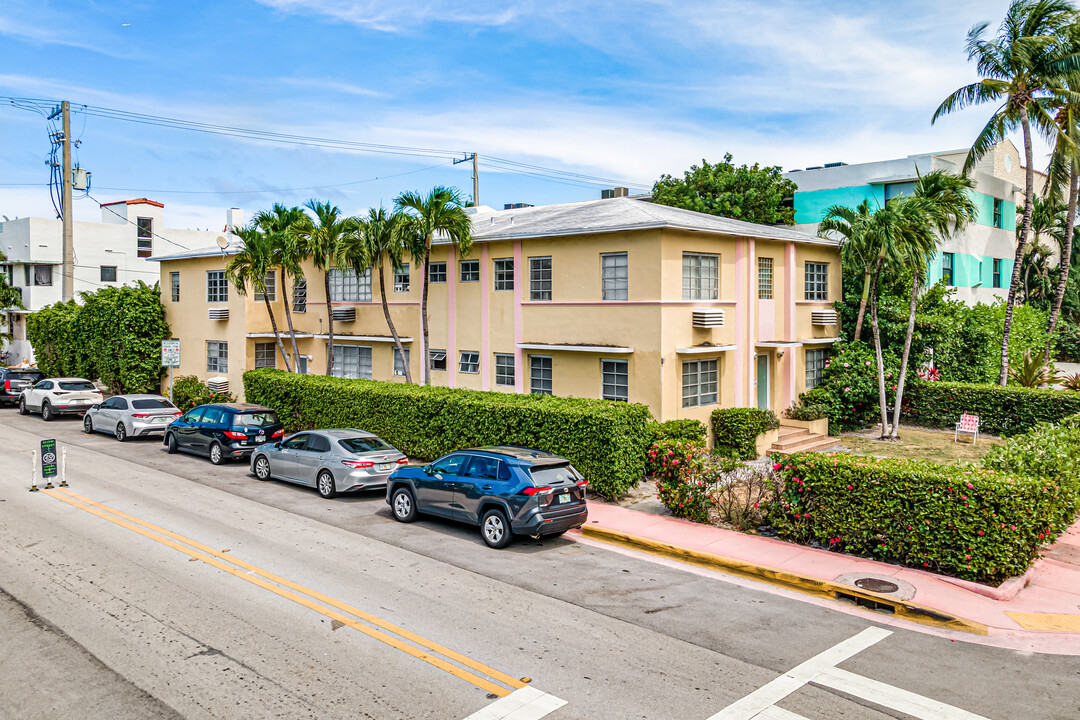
(222, 431)
(331, 461)
(14, 380)
(130, 416)
(505, 490)
(59, 396)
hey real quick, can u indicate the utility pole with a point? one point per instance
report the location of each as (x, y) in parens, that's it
(475, 177)
(67, 267)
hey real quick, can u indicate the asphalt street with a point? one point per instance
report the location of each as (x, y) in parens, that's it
(199, 591)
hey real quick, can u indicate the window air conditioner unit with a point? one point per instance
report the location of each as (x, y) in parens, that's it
(219, 384)
(708, 318)
(344, 314)
(823, 317)
(219, 313)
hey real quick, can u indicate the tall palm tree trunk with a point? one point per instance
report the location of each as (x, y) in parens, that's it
(880, 366)
(1065, 263)
(329, 324)
(1021, 244)
(390, 323)
(904, 359)
(862, 305)
(288, 319)
(424, 314)
(277, 335)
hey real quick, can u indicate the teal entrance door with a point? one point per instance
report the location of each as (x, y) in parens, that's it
(763, 382)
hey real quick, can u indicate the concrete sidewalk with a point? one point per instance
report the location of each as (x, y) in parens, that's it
(1038, 612)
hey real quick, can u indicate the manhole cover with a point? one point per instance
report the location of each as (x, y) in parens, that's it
(875, 585)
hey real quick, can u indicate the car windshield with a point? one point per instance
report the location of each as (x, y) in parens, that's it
(77, 385)
(256, 419)
(363, 444)
(152, 404)
(551, 475)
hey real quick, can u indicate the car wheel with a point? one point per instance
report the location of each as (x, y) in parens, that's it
(495, 529)
(87, 425)
(262, 468)
(22, 407)
(217, 456)
(46, 411)
(121, 432)
(325, 484)
(171, 442)
(404, 505)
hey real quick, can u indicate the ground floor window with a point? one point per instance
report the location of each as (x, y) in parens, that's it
(615, 380)
(217, 356)
(700, 382)
(438, 359)
(399, 366)
(265, 355)
(352, 361)
(469, 362)
(540, 375)
(504, 369)
(815, 366)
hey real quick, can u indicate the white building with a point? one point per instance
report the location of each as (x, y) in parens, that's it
(110, 253)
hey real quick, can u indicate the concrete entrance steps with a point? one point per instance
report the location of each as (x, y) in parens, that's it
(794, 439)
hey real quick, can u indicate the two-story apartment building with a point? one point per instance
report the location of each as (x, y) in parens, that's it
(619, 298)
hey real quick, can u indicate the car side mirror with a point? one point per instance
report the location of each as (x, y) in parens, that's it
(428, 470)
(94, 407)
(277, 444)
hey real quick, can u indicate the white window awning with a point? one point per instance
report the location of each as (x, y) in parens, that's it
(704, 349)
(610, 349)
(820, 340)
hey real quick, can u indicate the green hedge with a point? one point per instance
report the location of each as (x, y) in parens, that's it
(736, 430)
(189, 391)
(693, 431)
(606, 441)
(1049, 451)
(964, 521)
(1001, 410)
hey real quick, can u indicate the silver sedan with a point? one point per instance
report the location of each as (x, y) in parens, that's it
(125, 416)
(331, 461)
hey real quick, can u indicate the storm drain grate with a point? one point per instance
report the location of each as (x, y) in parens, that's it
(877, 586)
(867, 603)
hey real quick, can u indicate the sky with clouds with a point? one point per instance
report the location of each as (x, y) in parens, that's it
(619, 90)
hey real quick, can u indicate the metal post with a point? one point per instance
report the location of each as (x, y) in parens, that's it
(68, 267)
(33, 471)
(63, 467)
(170, 386)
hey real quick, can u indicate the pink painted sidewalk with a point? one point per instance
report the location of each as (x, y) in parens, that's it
(1049, 593)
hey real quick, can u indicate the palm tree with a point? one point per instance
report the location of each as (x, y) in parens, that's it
(940, 206)
(440, 212)
(854, 248)
(322, 239)
(283, 225)
(1065, 171)
(1024, 60)
(250, 266)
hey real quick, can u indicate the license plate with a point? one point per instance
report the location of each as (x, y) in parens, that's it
(260, 439)
(383, 467)
(562, 499)
(160, 419)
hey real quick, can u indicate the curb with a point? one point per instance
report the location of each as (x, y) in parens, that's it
(790, 580)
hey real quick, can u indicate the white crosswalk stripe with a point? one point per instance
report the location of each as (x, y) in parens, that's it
(526, 703)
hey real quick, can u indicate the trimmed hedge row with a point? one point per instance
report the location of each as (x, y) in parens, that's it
(606, 441)
(1001, 410)
(965, 521)
(693, 431)
(736, 430)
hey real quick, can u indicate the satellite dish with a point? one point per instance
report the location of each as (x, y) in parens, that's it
(222, 242)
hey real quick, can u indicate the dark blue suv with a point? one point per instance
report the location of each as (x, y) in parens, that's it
(223, 430)
(505, 490)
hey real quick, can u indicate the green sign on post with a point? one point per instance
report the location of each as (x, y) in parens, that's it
(48, 458)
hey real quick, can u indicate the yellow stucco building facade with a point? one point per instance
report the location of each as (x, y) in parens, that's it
(615, 298)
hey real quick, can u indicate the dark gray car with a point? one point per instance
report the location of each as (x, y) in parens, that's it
(331, 461)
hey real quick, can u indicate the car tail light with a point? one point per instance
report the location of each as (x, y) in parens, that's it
(358, 463)
(141, 415)
(177, 414)
(7, 385)
(530, 491)
(235, 435)
(582, 483)
(403, 461)
(278, 433)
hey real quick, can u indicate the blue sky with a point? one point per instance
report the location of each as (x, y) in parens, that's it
(623, 90)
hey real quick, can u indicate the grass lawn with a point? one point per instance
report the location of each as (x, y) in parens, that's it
(933, 445)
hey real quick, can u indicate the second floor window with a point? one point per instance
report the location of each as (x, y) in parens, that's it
(438, 359)
(999, 211)
(299, 295)
(401, 278)
(470, 271)
(539, 278)
(144, 235)
(43, 275)
(504, 274)
(217, 356)
(764, 278)
(614, 276)
(947, 268)
(700, 276)
(817, 281)
(217, 287)
(437, 272)
(270, 283)
(347, 286)
(700, 383)
(174, 286)
(469, 362)
(504, 369)
(997, 272)
(108, 273)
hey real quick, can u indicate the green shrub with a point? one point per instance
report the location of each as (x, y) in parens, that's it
(670, 458)
(736, 430)
(1046, 451)
(687, 430)
(189, 392)
(606, 441)
(1001, 410)
(959, 520)
(807, 413)
(848, 391)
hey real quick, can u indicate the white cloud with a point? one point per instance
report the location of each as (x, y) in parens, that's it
(331, 85)
(396, 17)
(43, 33)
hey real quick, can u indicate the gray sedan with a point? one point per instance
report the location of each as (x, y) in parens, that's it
(126, 416)
(331, 461)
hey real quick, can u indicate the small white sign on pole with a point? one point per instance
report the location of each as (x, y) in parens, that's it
(170, 353)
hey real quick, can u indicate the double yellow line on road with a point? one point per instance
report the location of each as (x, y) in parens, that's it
(393, 636)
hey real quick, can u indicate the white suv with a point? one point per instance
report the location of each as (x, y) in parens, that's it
(57, 396)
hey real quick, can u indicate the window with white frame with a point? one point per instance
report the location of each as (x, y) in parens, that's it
(217, 356)
(504, 369)
(817, 281)
(108, 273)
(764, 278)
(469, 271)
(217, 287)
(438, 359)
(469, 362)
(352, 361)
(815, 366)
(614, 276)
(540, 375)
(437, 272)
(401, 278)
(539, 278)
(699, 382)
(504, 273)
(265, 355)
(144, 234)
(270, 283)
(174, 286)
(348, 286)
(700, 276)
(299, 295)
(615, 379)
(399, 366)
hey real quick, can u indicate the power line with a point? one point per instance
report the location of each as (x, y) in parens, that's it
(154, 234)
